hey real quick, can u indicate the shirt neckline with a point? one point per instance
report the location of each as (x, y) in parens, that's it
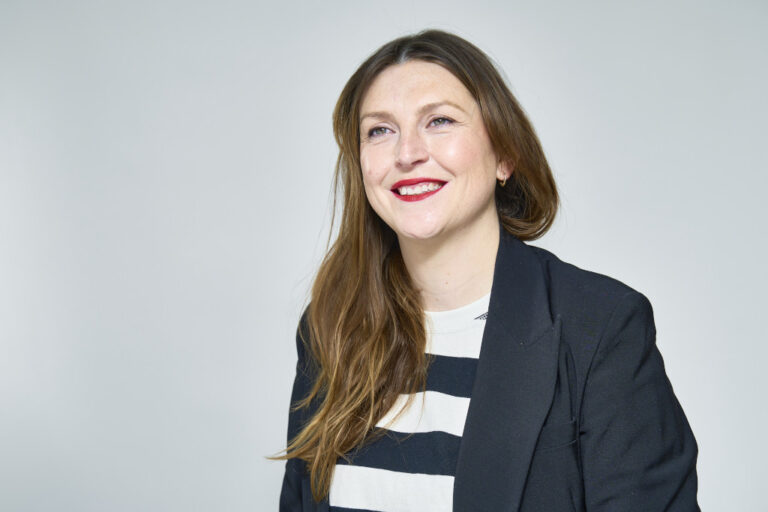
(458, 319)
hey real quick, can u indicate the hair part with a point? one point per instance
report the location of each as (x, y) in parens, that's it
(365, 319)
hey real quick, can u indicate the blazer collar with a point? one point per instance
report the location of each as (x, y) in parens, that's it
(513, 387)
(514, 384)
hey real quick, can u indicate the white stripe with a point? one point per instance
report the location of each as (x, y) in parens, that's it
(457, 344)
(393, 491)
(429, 411)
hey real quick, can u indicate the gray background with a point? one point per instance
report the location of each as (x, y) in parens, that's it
(164, 201)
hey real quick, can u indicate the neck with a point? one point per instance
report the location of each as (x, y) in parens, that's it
(453, 271)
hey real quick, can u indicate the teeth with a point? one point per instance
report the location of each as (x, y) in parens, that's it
(421, 188)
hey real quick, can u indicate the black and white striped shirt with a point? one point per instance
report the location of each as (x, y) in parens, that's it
(412, 467)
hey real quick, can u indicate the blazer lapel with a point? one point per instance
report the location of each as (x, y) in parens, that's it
(514, 384)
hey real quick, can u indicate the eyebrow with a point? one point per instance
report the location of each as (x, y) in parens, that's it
(422, 110)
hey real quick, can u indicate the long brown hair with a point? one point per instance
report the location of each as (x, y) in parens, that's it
(365, 320)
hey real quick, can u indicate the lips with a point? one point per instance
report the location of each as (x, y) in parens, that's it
(419, 195)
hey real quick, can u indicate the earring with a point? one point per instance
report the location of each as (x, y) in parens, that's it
(502, 183)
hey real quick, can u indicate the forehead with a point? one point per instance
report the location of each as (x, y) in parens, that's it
(411, 82)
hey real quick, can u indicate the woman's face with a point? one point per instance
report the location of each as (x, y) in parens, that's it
(428, 166)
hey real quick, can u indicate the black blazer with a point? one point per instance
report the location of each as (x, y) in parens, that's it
(571, 408)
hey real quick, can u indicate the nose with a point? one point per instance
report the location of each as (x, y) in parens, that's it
(410, 150)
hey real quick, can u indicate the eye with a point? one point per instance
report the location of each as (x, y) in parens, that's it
(376, 131)
(441, 121)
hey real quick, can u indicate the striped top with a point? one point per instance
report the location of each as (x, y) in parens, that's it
(412, 467)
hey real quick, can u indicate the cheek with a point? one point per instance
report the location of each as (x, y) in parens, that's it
(370, 179)
(370, 164)
(466, 155)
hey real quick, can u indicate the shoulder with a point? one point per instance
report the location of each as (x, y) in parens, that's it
(588, 301)
(566, 279)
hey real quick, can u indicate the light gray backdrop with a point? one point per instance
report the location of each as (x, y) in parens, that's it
(164, 181)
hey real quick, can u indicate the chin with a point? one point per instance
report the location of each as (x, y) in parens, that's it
(419, 232)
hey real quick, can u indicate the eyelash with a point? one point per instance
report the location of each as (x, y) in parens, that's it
(372, 133)
(443, 118)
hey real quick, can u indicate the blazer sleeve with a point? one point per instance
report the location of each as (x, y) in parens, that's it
(637, 449)
(291, 494)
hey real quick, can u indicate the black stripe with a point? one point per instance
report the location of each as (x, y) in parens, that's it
(452, 375)
(432, 453)
(345, 509)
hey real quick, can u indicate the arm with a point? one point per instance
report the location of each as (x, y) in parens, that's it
(290, 495)
(637, 449)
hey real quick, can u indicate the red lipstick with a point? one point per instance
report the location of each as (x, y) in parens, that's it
(415, 181)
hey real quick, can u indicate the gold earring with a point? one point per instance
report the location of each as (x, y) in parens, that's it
(502, 183)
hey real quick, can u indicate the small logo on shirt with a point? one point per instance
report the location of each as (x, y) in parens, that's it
(484, 316)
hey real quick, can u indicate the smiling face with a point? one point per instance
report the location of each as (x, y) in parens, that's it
(428, 166)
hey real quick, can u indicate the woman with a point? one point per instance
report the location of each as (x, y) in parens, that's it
(443, 363)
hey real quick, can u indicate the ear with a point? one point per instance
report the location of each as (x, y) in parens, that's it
(504, 170)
